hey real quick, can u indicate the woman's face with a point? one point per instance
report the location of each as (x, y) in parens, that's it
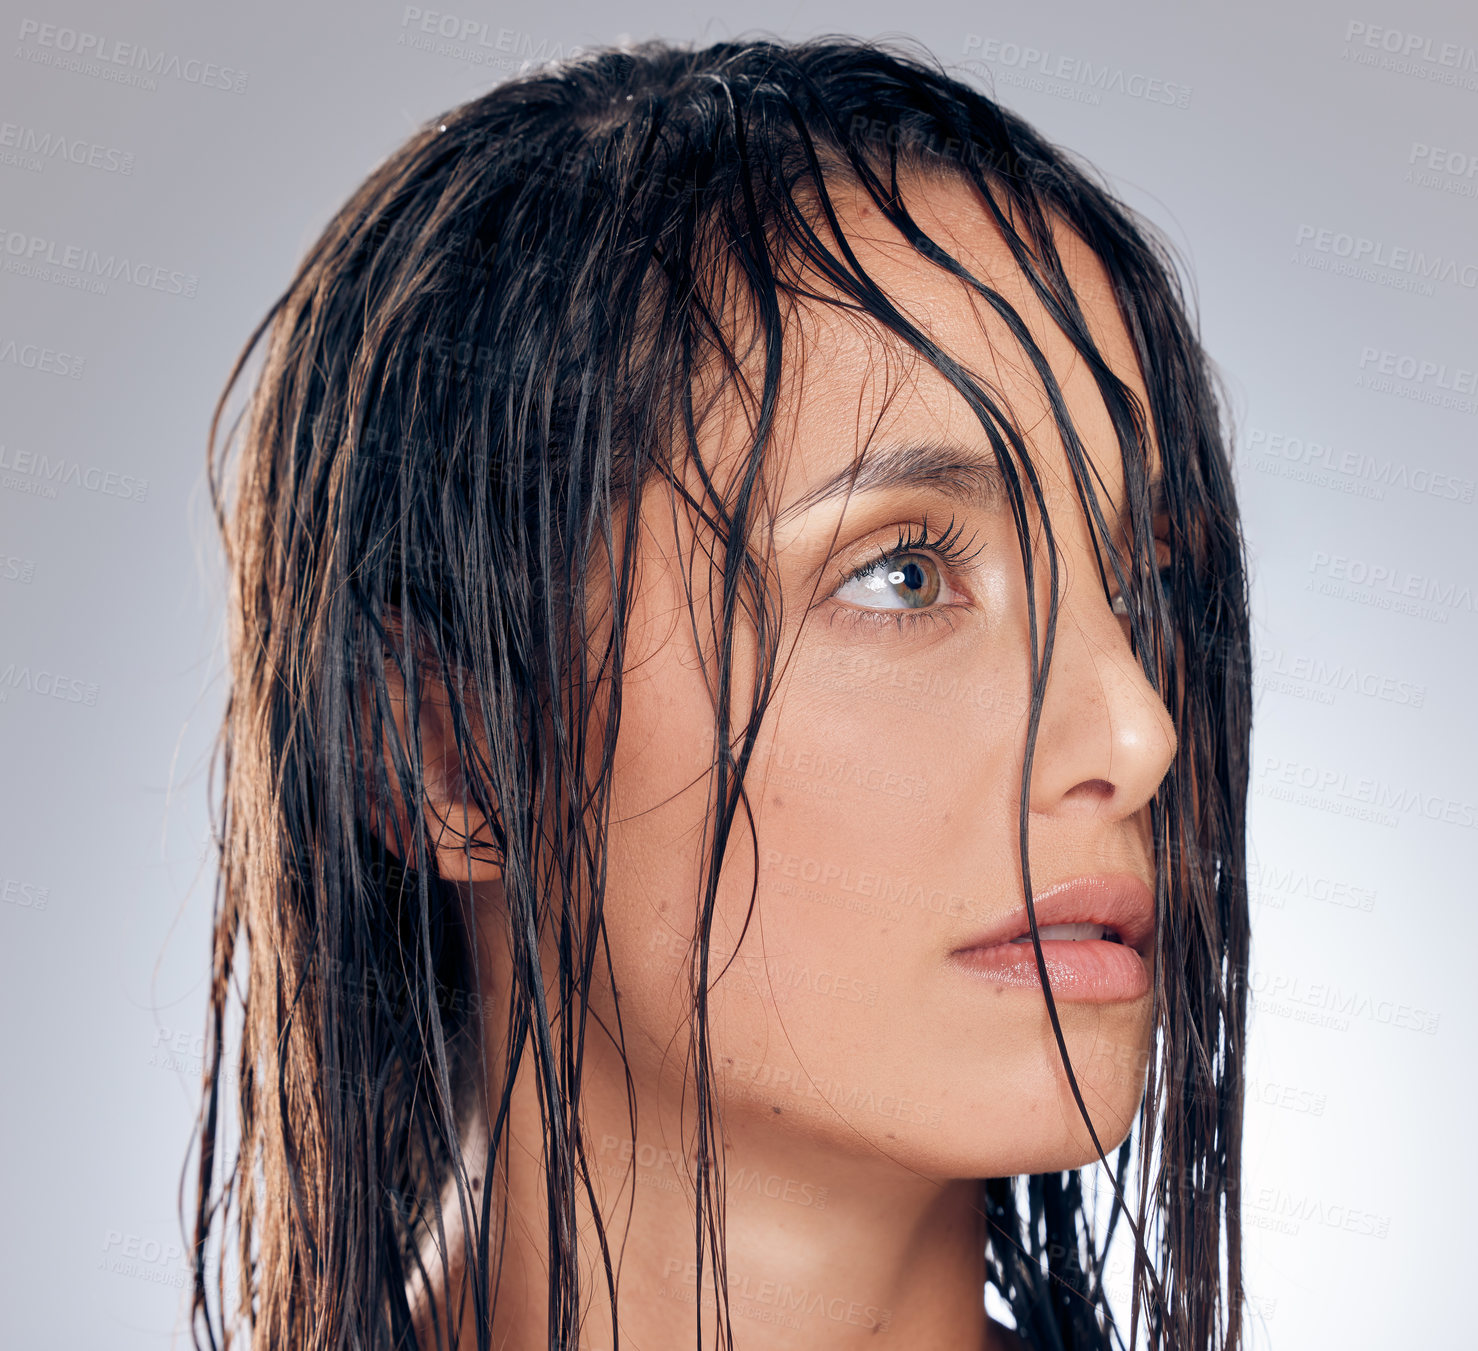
(885, 778)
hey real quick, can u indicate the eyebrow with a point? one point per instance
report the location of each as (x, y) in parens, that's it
(949, 470)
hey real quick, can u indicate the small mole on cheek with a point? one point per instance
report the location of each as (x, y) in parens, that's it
(776, 1110)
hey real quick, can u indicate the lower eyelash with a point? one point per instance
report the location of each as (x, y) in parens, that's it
(905, 618)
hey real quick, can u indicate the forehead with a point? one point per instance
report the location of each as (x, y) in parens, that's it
(848, 380)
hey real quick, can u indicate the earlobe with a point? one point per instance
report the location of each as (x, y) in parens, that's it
(452, 819)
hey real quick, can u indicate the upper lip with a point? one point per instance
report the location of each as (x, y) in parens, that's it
(1119, 901)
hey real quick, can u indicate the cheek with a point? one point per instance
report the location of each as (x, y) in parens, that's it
(885, 789)
(661, 833)
(895, 760)
(658, 803)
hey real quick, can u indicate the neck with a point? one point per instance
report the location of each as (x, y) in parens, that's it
(825, 1250)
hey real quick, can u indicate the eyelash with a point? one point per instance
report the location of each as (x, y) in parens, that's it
(946, 550)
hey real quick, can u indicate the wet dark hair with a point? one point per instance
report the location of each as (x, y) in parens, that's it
(488, 354)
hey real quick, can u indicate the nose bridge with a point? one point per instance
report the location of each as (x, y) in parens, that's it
(1106, 738)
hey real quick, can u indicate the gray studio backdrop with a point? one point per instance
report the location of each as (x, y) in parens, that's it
(1316, 163)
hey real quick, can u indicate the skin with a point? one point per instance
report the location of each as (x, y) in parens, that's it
(937, 1078)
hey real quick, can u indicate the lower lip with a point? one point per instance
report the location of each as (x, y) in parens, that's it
(1085, 971)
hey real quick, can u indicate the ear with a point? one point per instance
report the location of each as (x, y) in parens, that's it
(452, 818)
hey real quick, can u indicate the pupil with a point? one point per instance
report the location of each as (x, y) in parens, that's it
(914, 577)
(910, 574)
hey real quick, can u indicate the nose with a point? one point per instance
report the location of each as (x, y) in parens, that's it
(1106, 739)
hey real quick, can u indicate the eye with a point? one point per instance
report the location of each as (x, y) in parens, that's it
(909, 581)
(1163, 573)
(906, 582)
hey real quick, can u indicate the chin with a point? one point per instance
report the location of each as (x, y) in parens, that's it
(1112, 1111)
(1063, 1151)
(1015, 1137)
(1040, 1129)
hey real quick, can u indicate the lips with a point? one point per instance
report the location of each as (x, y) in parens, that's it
(1097, 935)
(1119, 903)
